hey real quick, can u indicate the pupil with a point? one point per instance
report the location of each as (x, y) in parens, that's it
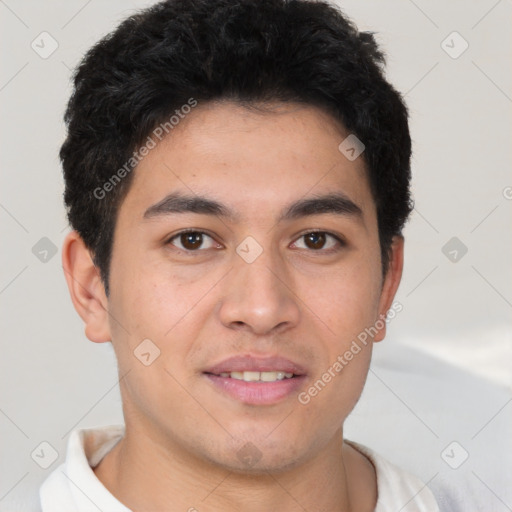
(191, 240)
(317, 239)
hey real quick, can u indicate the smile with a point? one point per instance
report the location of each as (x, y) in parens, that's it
(251, 376)
(254, 380)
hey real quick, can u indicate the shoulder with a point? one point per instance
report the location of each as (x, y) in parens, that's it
(396, 488)
(73, 486)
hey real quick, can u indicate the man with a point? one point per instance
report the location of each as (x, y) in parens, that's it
(237, 180)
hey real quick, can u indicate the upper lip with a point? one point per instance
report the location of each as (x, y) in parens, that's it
(250, 363)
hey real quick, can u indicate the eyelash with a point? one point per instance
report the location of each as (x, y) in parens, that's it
(339, 240)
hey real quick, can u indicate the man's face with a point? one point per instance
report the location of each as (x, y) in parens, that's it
(251, 292)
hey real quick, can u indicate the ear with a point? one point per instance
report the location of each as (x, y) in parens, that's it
(86, 288)
(390, 284)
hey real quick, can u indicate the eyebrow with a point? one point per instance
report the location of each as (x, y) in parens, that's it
(177, 202)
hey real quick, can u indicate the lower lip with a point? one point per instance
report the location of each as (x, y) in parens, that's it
(257, 393)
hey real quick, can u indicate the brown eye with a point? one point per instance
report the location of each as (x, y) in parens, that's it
(319, 241)
(315, 240)
(192, 241)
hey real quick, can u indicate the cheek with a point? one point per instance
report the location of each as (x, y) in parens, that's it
(148, 314)
(332, 394)
(347, 304)
(168, 306)
(347, 298)
(146, 292)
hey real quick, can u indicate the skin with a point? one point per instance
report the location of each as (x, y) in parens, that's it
(306, 304)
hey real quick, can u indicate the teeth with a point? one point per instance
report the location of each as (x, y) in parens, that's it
(251, 376)
(258, 376)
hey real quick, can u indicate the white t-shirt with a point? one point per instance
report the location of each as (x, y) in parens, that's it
(73, 486)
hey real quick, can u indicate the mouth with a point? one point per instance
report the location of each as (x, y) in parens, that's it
(256, 381)
(251, 376)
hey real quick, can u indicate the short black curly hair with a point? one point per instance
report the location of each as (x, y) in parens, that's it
(246, 51)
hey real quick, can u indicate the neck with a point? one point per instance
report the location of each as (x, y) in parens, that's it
(146, 473)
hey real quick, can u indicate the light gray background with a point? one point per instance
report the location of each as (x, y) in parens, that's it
(444, 372)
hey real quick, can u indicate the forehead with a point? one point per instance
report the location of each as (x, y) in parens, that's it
(251, 160)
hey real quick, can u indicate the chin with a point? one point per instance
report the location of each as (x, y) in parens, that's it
(274, 463)
(260, 455)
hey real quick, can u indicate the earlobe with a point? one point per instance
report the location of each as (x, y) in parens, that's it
(390, 285)
(86, 288)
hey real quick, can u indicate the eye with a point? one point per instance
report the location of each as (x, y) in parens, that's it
(191, 240)
(317, 240)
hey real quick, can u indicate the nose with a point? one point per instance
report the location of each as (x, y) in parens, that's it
(258, 297)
